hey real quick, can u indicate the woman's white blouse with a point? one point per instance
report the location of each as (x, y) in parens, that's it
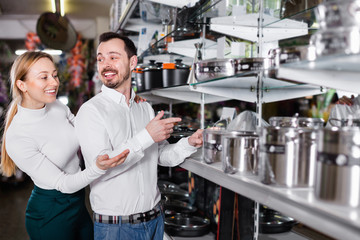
(43, 144)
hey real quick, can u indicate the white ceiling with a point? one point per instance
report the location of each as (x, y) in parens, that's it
(17, 17)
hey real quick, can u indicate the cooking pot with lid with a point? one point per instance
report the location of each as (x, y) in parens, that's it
(212, 147)
(175, 74)
(214, 68)
(338, 166)
(344, 122)
(279, 156)
(240, 152)
(336, 41)
(334, 14)
(153, 75)
(292, 54)
(303, 122)
(139, 78)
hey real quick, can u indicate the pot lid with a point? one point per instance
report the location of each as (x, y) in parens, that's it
(55, 31)
(179, 64)
(152, 66)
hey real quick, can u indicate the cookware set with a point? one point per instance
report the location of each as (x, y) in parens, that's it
(154, 75)
(294, 152)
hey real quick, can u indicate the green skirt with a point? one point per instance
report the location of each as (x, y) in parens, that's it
(53, 215)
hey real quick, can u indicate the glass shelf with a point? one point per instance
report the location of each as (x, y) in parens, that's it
(244, 88)
(306, 16)
(339, 72)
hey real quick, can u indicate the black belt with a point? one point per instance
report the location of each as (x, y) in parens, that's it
(133, 219)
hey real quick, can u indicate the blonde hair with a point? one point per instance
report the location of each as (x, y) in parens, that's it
(19, 71)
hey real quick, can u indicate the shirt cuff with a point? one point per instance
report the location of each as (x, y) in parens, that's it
(97, 170)
(184, 144)
(144, 139)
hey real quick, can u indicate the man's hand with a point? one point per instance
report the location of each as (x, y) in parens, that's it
(160, 129)
(346, 101)
(104, 162)
(196, 139)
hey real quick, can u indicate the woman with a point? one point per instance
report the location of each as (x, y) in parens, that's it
(39, 139)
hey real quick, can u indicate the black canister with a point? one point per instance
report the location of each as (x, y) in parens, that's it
(181, 73)
(175, 74)
(153, 75)
(168, 74)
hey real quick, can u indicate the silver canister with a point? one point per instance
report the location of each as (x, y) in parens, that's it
(306, 169)
(338, 166)
(279, 150)
(338, 13)
(288, 156)
(212, 147)
(240, 152)
(302, 122)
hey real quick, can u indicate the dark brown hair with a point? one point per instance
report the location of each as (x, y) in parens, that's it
(130, 48)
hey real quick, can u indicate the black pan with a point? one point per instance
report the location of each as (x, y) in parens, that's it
(185, 226)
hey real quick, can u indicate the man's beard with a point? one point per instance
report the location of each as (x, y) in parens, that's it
(115, 85)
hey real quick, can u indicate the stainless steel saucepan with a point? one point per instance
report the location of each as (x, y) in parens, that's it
(240, 152)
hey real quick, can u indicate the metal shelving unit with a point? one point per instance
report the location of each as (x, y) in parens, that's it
(311, 78)
(238, 88)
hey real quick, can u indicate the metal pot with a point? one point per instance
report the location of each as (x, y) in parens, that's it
(302, 122)
(292, 54)
(334, 14)
(139, 78)
(344, 122)
(338, 166)
(175, 74)
(249, 65)
(279, 152)
(153, 75)
(212, 147)
(240, 152)
(214, 68)
(336, 41)
(306, 168)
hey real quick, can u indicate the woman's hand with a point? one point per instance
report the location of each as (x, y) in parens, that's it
(346, 101)
(138, 99)
(104, 162)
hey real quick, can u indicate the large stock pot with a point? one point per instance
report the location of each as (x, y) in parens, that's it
(288, 156)
(338, 166)
(212, 145)
(240, 152)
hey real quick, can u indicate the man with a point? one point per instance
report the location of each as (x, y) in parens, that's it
(126, 199)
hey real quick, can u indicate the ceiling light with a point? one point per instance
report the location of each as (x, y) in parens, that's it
(58, 6)
(62, 8)
(48, 51)
(53, 6)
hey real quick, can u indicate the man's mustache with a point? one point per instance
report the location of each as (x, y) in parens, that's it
(108, 70)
